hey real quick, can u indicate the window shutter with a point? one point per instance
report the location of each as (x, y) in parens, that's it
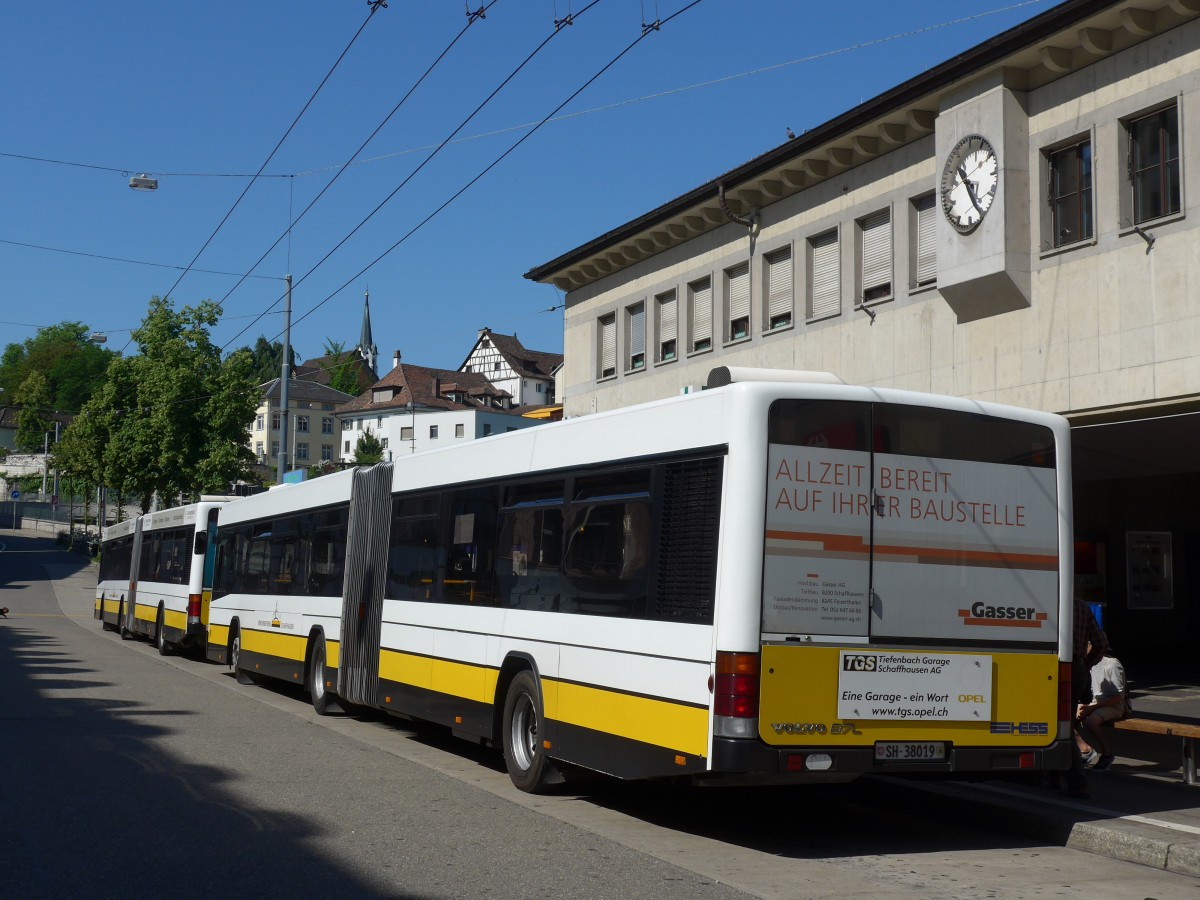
(926, 239)
(667, 317)
(701, 311)
(637, 330)
(826, 264)
(739, 292)
(877, 250)
(779, 284)
(608, 344)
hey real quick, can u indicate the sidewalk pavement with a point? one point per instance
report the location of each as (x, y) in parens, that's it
(1140, 810)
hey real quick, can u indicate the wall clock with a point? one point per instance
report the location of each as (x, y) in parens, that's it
(969, 181)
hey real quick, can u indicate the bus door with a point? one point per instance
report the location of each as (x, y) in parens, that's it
(366, 574)
(135, 573)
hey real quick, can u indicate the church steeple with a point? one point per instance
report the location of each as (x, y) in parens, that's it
(366, 346)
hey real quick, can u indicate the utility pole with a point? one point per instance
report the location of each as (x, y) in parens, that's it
(283, 382)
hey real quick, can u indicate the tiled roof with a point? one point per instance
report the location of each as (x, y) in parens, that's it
(302, 390)
(429, 388)
(529, 363)
(317, 370)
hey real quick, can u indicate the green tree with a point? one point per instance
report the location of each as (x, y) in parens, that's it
(171, 420)
(343, 374)
(72, 365)
(33, 415)
(267, 359)
(368, 450)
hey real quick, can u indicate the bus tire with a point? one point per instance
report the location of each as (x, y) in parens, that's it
(165, 647)
(523, 728)
(126, 634)
(235, 657)
(317, 692)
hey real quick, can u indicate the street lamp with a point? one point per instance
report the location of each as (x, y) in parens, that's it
(143, 182)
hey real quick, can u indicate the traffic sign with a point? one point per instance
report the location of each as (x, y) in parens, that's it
(16, 495)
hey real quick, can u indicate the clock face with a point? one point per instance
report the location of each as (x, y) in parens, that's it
(969, 182)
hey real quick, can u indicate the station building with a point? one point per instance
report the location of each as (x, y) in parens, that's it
(1017, 224)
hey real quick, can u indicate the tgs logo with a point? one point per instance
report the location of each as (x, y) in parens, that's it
(859, 662)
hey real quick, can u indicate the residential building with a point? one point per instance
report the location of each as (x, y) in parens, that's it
(314, 432)
(415, 408)
(1016, 224)
(526, 375)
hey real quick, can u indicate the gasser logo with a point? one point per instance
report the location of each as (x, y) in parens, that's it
(1008, 616)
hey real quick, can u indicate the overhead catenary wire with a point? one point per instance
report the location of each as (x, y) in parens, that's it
(557, 29)
(471, 19)
(375, 6)
(642, 36)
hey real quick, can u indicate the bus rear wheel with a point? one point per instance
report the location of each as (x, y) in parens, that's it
(316, 679)
(165, 647)
(523, 730)
(235, 657)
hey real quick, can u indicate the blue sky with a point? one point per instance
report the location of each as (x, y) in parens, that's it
(199, 94)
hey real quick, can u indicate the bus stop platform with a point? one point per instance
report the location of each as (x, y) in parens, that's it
(1140, 810)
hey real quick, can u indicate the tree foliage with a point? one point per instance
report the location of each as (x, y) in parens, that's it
(171, 420)
(343, 374)
(72, 365)
(267, 359)
(33, 416)
(368, 450)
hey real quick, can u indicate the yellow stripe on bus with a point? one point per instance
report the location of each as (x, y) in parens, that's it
(645, 719)
(283, 646)
(218, 635)
(175, 619)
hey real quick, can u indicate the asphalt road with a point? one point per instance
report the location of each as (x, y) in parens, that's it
(127, 774)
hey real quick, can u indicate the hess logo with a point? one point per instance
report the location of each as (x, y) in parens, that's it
(1009, 616)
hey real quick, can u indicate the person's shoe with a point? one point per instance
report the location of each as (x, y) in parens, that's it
(1091, 758)
(1103, 763)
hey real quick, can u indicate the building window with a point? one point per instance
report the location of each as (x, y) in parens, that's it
(1154, 164)
(433, 432)
(668, 328)
(258, 449)
(258, 422)
(275, 421)
(924, 248)
(635, 323)
(326, 425)
(274, 449)
(301, 424)
(347, 450)
(487, 429)
(379, 422)
(608, 346)
(384, 443)
(538, 387)
(301, 452)
(700, 308)
(406, 433)
(1070, 193)
(737, 302)
(496, 366)
(326, 452)
(824, 276)
(459, 431)
(779, 288)
(875, 249)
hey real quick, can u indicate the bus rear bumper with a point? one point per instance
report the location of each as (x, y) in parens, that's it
(738, 755)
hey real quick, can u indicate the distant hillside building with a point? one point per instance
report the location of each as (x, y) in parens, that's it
(313, 432)
(362, 359)
(527, 375)
(415, 408)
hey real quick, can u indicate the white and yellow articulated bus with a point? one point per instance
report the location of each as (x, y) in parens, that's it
(783, 578)
(156, 575)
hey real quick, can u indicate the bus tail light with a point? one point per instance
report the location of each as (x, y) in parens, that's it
(1066, 709)
(736, 690)
(194, 607)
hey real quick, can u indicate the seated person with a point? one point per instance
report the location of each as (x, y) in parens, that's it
(1107, 705)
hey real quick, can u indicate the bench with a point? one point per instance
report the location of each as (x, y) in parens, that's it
(1188, 732)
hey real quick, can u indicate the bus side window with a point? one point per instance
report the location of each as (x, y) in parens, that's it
(608, 545)
(471, 542)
